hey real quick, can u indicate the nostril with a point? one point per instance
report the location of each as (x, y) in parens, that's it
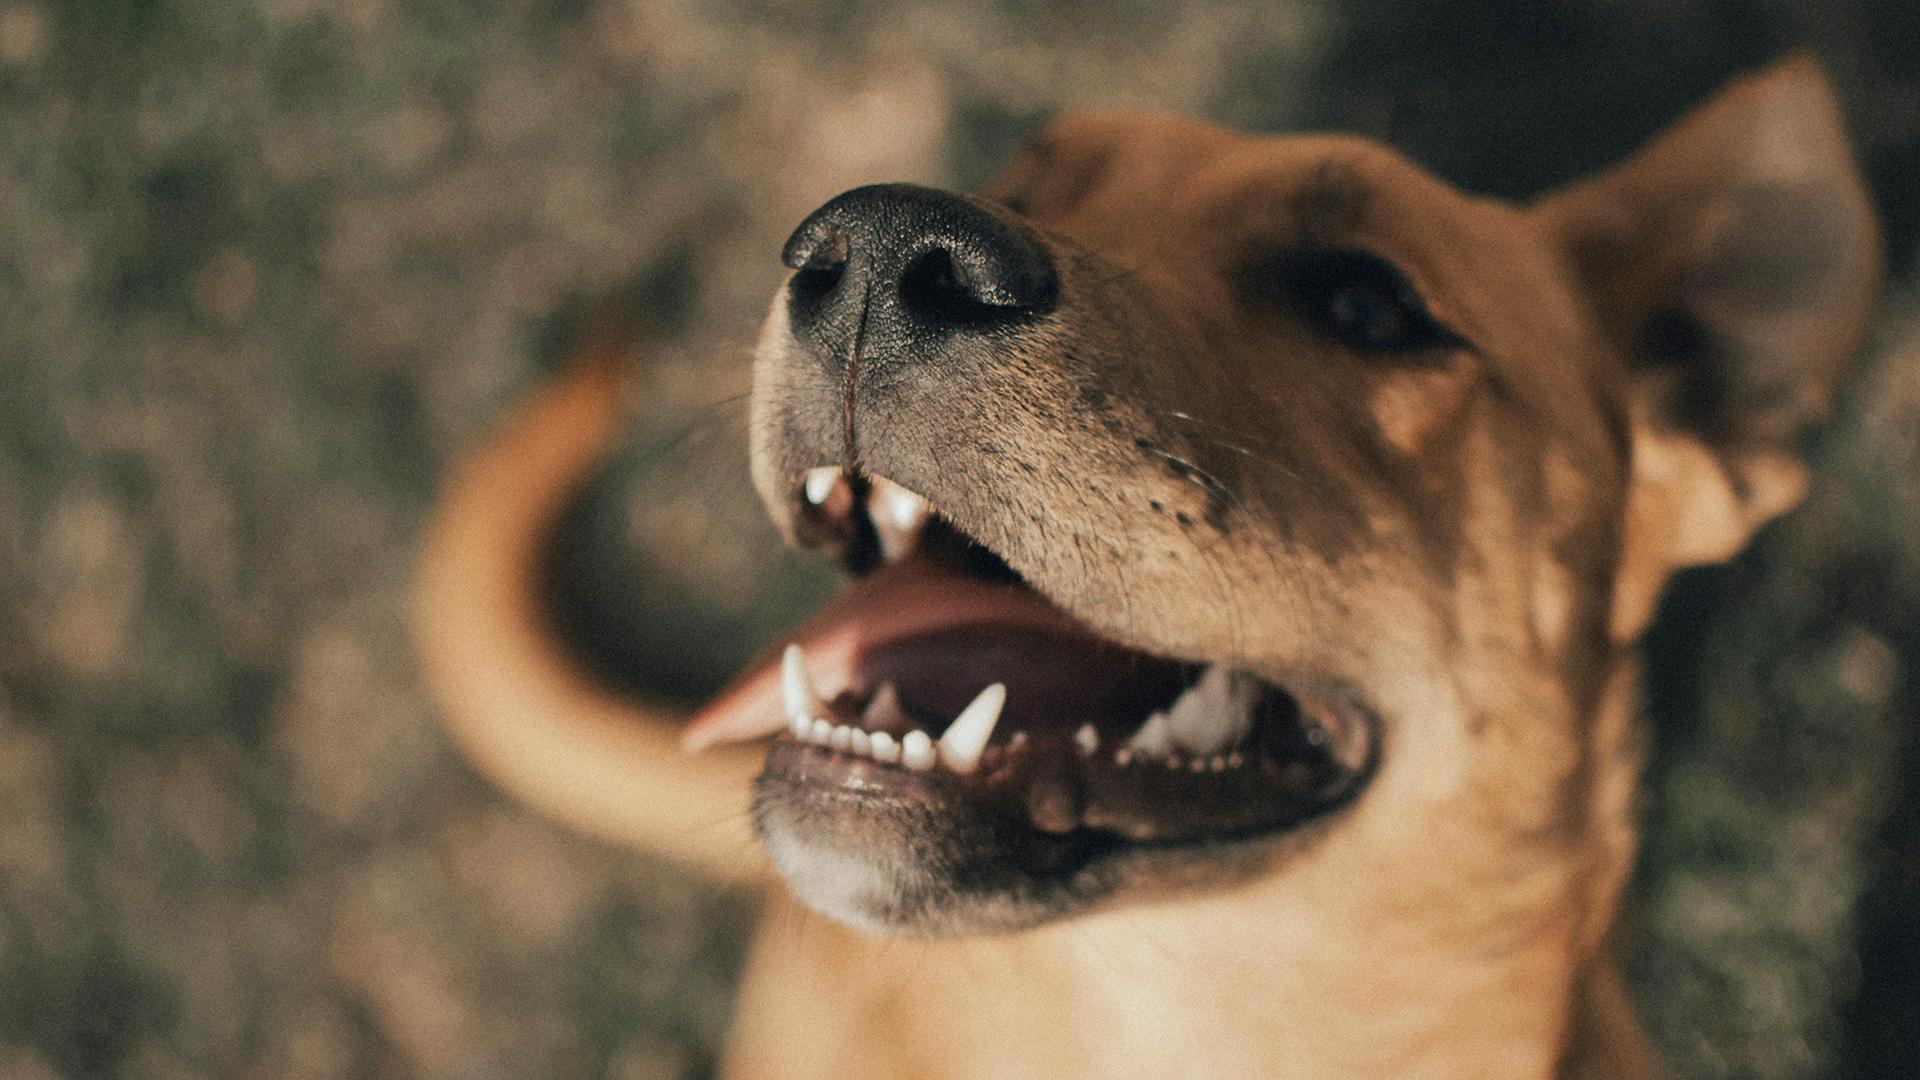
(819, 263)
(817, 282)
(936, 289)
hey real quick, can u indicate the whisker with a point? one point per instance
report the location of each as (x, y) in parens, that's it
(1287, 568)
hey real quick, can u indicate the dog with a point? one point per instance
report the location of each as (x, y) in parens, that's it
(1250, 538)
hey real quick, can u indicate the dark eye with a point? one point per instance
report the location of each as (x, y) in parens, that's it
(1353, 297)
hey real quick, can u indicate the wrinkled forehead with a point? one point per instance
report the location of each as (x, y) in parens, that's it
(1185, 202)
(1117, 174)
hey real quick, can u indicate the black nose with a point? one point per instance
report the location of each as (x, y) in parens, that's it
(894, 259)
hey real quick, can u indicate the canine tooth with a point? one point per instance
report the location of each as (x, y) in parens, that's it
(916, 751)
(861, 743)
(1212, 713)
(898, 517)
(967, 736)
(820, 732)
(802, 703)
(820, 483)
(1087, 739)
(884, 748)
(1154, 738)
(841, 738)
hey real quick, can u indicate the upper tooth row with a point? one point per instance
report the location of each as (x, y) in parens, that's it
(959, 749)
(899, 516)
(1214, 713)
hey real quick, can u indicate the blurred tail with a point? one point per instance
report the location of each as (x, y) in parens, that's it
(527, 715)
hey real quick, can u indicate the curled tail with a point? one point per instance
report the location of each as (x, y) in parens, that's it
(522, 709)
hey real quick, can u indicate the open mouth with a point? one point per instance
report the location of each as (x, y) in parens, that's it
(940, 679)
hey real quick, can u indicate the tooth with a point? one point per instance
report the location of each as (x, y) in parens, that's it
(1218, 763)
(1212, 713)
(802, 703)
(821, 482)
(1153, 738)
(842, 737)
(916, 751)
(1087, 739)
(820, 732)
(884, 748)
(861, 743)
(967, 736)
(885, 707)
(898, 517)
(1123, 756)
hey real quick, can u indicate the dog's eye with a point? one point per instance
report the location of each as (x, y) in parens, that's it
(1353, 297)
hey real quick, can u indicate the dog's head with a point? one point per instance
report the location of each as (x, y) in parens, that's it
(1262, 506)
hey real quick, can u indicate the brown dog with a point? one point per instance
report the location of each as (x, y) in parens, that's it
(1252, 537)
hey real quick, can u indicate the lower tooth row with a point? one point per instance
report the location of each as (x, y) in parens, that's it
(960, 749)
(877, 745)
(915, 750)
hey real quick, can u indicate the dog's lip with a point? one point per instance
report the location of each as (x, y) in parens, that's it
(1053, 789)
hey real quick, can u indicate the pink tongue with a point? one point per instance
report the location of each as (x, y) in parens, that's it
(906, 599)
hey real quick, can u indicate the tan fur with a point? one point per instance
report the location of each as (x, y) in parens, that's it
(514, 701)
(1486, 588)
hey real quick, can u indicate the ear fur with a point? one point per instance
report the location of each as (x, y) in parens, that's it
(1733, 262)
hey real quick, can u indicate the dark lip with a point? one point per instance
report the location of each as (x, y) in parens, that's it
(961, 858)
(1045, 786)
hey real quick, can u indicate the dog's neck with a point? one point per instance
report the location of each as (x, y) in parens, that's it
(1408, 953)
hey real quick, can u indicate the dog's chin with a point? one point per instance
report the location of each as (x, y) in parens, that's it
(955, 754)
(933, 855)
(917, 855)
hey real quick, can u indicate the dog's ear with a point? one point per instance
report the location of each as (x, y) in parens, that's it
(1734, 262)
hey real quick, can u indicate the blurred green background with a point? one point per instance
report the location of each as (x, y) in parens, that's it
(268, 266)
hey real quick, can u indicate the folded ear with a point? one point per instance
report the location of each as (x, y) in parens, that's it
(1734, 263)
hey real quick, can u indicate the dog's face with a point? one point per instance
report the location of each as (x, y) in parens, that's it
(1297, 504)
